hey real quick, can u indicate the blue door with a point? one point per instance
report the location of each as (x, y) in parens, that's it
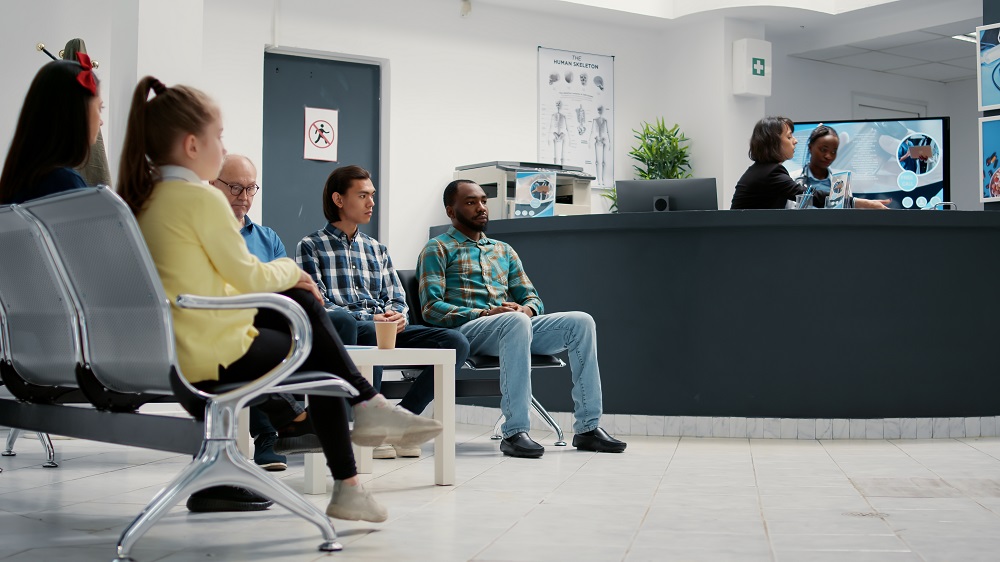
(294, 186)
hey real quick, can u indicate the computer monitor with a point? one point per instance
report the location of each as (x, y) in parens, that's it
(690, 194)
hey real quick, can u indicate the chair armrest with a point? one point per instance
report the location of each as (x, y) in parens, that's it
(298, 324)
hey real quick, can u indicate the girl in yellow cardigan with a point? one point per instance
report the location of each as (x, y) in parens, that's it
(173, 144)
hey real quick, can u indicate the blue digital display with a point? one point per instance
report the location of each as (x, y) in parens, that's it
(904, 160)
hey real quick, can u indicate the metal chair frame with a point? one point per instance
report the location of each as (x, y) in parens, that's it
(218, 462)
(43, 438)
(5, 342)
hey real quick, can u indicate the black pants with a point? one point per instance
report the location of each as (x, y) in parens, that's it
(283, 408)
(329, 415)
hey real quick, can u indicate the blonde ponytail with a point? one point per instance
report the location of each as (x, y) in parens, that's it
(154, 127)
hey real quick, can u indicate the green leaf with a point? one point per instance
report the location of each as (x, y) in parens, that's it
(661, 151)
(611, 194)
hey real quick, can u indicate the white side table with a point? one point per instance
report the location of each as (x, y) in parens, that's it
(443, 361)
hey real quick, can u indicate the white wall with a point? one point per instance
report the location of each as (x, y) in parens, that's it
(809, 90)
(52, 22)
(460, 90)
(965, 174)
(129, 38)
(742, 112)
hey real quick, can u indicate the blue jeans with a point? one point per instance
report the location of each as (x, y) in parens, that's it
(513, 337)
(422, 337)
(284, 407)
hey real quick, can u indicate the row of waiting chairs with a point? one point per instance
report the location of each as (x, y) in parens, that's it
(85, 319)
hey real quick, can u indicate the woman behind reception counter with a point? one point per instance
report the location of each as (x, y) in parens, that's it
(767, 185)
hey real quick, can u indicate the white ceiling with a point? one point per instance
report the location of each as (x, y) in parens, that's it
(904, 37)
(929, 54)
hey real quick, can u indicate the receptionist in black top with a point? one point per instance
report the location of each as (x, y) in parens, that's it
(766, 184)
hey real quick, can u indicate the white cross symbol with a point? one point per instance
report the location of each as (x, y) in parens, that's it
(758, 67)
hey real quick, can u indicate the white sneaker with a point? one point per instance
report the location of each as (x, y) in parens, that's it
(384, 452)
(354, 503)
(408, 452)
(376, 421)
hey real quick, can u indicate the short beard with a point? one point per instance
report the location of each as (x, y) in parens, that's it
(472, 225)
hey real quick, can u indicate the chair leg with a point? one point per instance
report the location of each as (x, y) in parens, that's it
(182, 485)
(261, 482)
(544, 414)
(50, 451)
(11, 439)
(496, 429)
(43, 438)
(220, 463)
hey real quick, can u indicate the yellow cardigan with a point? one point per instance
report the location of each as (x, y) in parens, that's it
(197, 247)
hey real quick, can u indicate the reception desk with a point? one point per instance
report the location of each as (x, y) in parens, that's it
(782, 314)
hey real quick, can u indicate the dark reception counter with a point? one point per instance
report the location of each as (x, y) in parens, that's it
(811, 314)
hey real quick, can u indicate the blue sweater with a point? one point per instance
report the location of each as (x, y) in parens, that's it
(56, 181)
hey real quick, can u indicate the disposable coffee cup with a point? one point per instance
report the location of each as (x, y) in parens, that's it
(385, 335)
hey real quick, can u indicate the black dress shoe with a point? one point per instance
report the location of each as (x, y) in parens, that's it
(598, 440)
(521, 446)
(227, 498)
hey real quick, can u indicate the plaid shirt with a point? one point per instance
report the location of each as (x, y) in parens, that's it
(353, 274)
(460, 278)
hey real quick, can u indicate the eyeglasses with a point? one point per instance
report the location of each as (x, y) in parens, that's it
(236, 188)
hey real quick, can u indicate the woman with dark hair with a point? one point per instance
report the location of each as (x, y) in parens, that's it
(766, 184)
(59, 122)
(821, 151)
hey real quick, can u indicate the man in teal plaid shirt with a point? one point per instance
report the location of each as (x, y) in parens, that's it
(478, 286)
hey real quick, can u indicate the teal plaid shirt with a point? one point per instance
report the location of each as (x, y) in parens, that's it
(460, 278)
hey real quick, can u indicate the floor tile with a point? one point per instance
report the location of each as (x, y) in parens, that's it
(666, 498)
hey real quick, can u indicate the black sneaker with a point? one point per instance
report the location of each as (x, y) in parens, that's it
(307, 443)
(297, 438)
(227, 498)
(264, 455)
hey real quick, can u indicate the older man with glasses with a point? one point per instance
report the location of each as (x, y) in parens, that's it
(238, 182)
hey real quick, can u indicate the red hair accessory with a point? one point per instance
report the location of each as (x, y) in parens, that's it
(86, 76)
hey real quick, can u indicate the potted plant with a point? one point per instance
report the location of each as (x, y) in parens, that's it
(661, 153)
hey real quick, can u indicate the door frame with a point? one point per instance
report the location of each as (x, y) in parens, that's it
(383, 125)
(916, 108)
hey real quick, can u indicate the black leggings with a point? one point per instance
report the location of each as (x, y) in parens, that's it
(328, 414)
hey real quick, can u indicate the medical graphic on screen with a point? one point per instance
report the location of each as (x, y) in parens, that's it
(989, 66)
(902, 160)
(989, 146)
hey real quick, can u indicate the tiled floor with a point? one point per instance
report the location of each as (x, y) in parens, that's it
(666, 498)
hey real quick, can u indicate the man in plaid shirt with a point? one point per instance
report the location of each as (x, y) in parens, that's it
(477, 285)
(354, 273)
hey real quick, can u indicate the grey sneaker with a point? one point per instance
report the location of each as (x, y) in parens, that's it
(376, 422)
(354, 503)
(407, 452)
(384, 452)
